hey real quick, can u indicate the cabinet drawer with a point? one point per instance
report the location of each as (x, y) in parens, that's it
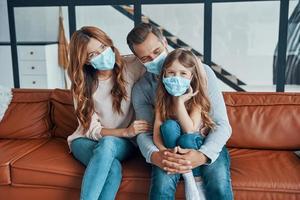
(32, 67)
(31, 81)
(31, 52)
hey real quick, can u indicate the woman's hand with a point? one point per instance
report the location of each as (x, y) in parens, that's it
(137, 127)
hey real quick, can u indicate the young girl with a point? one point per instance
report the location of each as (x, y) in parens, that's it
(182, 110)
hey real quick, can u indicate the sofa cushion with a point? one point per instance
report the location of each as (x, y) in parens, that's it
(32, 193)
(59, 169)
(12, 150)
(43, 168)
(63, 113)
(265, 174)
(27, 115)
(264, 120)
(50, 165)
(252, 172)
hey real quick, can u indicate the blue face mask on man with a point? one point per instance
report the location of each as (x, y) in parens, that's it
(176, 85)
(104, 61)
(155, 65)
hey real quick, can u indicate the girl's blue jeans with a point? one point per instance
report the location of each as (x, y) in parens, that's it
(216, 176)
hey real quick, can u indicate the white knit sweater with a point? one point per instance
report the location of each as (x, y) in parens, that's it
(104, 116)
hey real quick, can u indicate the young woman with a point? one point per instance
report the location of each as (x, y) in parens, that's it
(182, 109)
(101, 86)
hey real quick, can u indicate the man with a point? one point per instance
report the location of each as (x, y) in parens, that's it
(149, 45)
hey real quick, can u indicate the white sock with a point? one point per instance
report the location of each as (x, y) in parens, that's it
(200, 188)
(191, 191)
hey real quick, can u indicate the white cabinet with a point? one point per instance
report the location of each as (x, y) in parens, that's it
(38, 66)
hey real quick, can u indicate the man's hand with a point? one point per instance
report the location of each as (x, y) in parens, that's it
(157, 158)
(170, 161)
(196, 158)
(137, 127)
(183, 160)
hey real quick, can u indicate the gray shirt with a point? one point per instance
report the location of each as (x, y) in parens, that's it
(143, 99)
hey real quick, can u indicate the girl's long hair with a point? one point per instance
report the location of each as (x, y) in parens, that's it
(84, 78)
(200, 101)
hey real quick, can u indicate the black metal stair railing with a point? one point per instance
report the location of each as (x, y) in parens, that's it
(225, 76)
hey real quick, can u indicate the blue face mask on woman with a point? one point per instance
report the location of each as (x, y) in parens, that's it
(104, 61)
(155, 65)
(176, 85)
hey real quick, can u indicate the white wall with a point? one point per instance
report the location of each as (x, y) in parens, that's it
(6, 72)
(185, 21)
(39, 23)
(111, 21)
(4, 31)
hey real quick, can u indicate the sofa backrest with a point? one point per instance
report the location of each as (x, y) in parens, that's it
(27, 115)
(62, 113)
(264, 120)
(258, 120)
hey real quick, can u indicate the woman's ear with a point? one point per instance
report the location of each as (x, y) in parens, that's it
(113, 48)
(192, 76)
(87, 63)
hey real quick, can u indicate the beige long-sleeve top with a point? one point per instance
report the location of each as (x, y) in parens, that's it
(104, 116)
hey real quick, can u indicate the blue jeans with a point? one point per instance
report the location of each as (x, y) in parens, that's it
(216, 176)
(103, 173)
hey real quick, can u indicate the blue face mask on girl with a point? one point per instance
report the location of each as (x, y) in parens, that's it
(155, 65)
(176, 85)
(104, 61)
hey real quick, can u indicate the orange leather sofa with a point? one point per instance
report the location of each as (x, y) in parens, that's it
(35, 162)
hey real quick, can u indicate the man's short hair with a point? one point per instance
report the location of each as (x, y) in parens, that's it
(139, 34)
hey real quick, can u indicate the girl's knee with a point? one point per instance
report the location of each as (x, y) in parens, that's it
(170, 123)
(168, 127)
(190, 141)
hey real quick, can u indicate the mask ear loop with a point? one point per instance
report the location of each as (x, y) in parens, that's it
(197, 63)
(201, 69)
(163, 73)
(196, 59)
(113, 48)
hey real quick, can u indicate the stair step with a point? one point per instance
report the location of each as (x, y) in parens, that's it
(128, 9)
(187, 47)
(172, 38)
(217, 68)
(232, 78)
(145, 19)
(179, 43)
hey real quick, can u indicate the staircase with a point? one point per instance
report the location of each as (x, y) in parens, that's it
(175, 42)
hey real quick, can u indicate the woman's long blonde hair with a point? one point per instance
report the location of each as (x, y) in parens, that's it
(84, 77)
(199, 82)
